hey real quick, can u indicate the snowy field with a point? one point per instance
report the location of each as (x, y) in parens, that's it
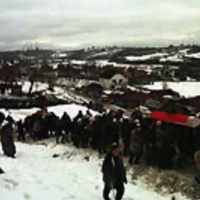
(186, 89)
(36, 175)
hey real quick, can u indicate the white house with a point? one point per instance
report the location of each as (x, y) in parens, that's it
(113, 81)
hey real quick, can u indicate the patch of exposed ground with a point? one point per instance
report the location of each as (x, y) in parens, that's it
(168, 181)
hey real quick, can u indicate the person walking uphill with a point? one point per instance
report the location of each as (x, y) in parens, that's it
(114, 175)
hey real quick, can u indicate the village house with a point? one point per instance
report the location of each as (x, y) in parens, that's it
(138, 76)
(113, 80)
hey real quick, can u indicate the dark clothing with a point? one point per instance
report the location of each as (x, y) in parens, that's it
(79, 116)
(162, 148)
(7, 140)
(1, 171)
(118, 187)
(163, 156)
(197, 162)
(137, 157)
(21, 135)
(63, 125)
(38, 128)
(114, 175)
(113, 172)
(161, 138)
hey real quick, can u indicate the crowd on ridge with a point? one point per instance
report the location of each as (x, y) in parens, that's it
(169, 146)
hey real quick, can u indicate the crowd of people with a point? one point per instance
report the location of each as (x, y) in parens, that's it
(152, 142)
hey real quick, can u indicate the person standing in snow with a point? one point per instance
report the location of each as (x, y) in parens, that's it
(114, 175)
(7, 140)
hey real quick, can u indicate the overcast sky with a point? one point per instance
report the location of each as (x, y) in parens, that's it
(83, 23)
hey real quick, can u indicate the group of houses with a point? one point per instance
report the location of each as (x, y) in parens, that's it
(109, 76)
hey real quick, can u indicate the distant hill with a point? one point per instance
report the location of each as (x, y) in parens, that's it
(129, 55)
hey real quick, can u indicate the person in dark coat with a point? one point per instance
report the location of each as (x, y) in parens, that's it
(78, 116)
(7, 140)
(114, 175)
(20, 129)
(38, 127)
(126, 128)
(162, 145)
(64, 124)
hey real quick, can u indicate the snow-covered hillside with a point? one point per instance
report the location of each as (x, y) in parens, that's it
(164, 57)
(145, 57)
(36, 174)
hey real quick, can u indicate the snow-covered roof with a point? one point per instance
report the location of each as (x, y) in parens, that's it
(59, 55)
(107, 91)
(54, 65)
(16, 61)
(9, 63)
(132, 88)
(184, 51)
(36, 86)
(190, 79)
(78, 62)
(113, 92)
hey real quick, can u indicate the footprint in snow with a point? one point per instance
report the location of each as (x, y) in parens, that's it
(39, 181)
(10, 184)
(27, 196)
(72, 196)
(96, 187)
